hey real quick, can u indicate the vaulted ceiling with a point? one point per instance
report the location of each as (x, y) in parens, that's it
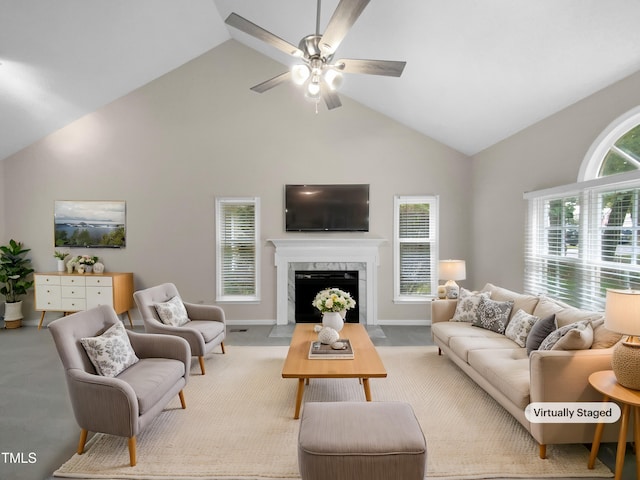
(477, 70)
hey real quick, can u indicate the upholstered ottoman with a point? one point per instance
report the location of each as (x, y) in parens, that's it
(360, 440)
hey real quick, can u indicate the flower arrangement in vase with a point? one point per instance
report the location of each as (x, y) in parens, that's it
(86, 262)
(333, 303)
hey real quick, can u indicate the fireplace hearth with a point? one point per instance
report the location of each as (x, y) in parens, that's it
(309, 282)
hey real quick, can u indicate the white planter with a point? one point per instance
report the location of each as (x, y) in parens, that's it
(333, 320)
(61, 266)
(13, 314)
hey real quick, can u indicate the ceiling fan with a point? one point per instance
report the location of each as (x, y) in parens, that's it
(318, 72)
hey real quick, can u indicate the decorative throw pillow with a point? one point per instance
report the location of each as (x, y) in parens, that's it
(467, 307)
(172, 312)
(519, 327)
(549, 342)
(111, 352)
(493, 315)
(602, 336)
(576, 339)
(540, 330)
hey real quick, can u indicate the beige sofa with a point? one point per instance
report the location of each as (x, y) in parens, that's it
(514, 378)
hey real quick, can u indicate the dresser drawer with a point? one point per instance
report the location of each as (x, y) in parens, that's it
(48, 297)
(73, 304)
(99, 296)
(47, 280)
(99, 281)
(72, 280)
(75, 291)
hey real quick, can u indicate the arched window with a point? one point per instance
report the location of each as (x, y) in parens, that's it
(585, 238)
(616, 150)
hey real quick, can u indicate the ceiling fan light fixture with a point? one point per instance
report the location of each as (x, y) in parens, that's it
(300, 73)
(333, 78)
(313, 88)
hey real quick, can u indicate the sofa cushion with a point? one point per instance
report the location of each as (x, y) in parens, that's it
(467, 307)
(519, 327)
(571, 315)
(445, 331)
(172, 312)
(549, 342)
(462, 346)
(521, 301)
(540, 330)
(209, 329)
(151, 379)
(111, 352)
(505, 369)
(547, 306)
(602, 336)
(493, 315)
(576, 339)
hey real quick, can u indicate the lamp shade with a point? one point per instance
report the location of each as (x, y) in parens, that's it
(452, 270)
(622, 311)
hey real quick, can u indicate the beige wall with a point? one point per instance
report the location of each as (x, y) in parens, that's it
(172, 146)
(544, 155)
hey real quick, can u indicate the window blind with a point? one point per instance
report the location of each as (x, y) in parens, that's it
(580, 243)
(237, 249)
(415, 247)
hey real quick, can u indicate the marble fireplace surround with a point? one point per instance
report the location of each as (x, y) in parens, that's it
(326, 254)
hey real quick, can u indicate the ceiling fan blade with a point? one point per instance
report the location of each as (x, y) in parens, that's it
(331, 98)
(261, 34)
(345, 15)
(272, 82)
(389, 68)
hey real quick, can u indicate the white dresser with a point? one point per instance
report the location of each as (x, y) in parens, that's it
(63, 292)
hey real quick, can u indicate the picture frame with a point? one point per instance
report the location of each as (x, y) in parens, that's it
(89, 223)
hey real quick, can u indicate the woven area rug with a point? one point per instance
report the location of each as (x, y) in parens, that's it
(239, 424)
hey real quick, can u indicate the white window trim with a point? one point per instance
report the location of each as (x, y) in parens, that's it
(434, 230)
(220, 297)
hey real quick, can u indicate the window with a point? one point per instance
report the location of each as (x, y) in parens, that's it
(584, 238)
(415, 248)
(237, 252)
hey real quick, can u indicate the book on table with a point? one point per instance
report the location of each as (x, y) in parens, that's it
(320, 351)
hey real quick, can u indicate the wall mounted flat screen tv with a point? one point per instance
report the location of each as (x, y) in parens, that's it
(327, 208)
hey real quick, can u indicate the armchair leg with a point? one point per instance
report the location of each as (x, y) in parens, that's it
(201, 360)
(182, 402)
(543, 451)
(83, 440)
(222, 346)
(132, 451)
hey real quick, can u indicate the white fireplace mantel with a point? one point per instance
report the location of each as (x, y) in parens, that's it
(326, 250)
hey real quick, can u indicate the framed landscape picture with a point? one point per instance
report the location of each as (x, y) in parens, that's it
(89, 224)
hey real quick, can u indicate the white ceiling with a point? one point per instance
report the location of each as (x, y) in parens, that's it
(477, 70)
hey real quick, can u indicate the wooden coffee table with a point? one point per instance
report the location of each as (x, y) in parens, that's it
(366, 363)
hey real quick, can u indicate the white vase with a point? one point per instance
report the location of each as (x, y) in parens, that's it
(333, 320)
(61, 266)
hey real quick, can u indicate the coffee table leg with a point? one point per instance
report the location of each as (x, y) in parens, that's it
(367, 389)
(299, 397)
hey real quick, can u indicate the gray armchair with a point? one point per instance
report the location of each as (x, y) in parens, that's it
(205, 329)
(125, 404)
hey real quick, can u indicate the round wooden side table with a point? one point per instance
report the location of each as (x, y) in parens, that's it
(605, 382)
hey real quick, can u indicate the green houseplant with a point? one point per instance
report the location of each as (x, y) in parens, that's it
(15, 269)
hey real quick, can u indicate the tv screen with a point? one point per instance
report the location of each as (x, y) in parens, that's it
(326, 208)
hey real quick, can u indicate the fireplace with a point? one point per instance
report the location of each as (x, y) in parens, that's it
(327, 254)
(309, 282)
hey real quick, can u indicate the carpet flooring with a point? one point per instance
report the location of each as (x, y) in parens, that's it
(239, 424)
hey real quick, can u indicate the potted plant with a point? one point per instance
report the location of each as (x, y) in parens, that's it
(60, 256)
(15, 269)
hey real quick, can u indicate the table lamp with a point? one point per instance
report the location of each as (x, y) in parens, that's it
(452, 270)
(622, 315)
